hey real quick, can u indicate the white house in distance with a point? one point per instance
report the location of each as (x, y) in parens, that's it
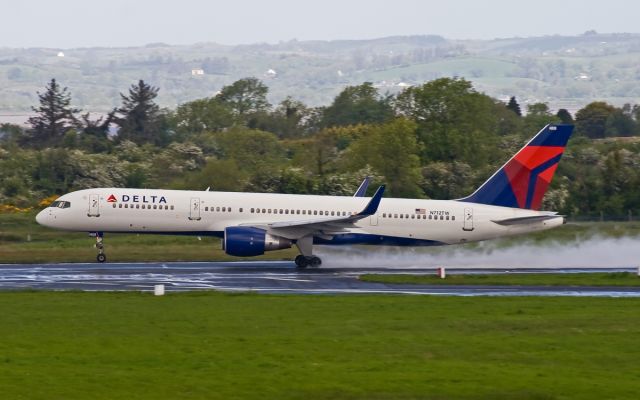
(197, 72)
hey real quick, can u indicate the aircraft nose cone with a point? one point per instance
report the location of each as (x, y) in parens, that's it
(41, 218)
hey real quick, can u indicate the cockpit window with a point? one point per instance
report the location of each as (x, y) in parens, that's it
(60, 204)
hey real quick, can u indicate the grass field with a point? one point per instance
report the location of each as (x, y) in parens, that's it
(208, 345)
(575, 279)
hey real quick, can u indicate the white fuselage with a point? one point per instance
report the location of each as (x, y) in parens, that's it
(397, 221)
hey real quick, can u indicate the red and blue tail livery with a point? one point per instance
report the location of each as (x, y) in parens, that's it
(524, 179)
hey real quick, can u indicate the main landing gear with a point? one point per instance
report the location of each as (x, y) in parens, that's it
(304, 261)
(101, 257)
(306, 258)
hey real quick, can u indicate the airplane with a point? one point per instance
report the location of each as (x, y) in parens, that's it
(251, 224)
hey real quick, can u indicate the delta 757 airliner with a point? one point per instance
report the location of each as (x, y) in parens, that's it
(252, 223)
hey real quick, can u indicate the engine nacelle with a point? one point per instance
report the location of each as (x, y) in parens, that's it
(246, 241)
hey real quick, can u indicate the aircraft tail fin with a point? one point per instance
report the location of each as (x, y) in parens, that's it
(524, 179)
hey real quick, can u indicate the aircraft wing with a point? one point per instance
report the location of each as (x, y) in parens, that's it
(322, 226)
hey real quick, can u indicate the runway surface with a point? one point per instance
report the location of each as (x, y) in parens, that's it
(269, 277)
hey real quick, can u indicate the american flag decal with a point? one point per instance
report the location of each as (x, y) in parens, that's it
(421, 211)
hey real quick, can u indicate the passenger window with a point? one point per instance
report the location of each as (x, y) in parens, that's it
(229, 209)
(315, 212)
(447, 217)
(429, 216)
(453, 217)
(332, 213)
(384, 215)
(120, 205)
(155, 207)
(114, 205)
(304, 212)
(225, 209)
(441, 217)
(413, 217)
(218, 209)
(401, 216)
(252, 210)
(240, 209)
(206, 208)
(172, 207)
(269, 211)
(257, 211)
(137, 206)
(297, 212)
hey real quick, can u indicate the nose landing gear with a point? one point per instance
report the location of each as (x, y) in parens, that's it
(101, 257)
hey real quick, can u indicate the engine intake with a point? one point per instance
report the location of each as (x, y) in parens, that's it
(245, 241)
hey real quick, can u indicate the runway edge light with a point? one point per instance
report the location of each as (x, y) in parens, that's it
(441, 273)
(158, 290)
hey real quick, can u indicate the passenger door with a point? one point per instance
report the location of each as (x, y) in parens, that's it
(194, 209)
(94, 205)
(468, 219)
(373, 220)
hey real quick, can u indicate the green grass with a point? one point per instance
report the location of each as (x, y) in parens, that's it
(207, 345)
(549, 279)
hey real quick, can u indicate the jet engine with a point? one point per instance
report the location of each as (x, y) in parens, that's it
(246, 241)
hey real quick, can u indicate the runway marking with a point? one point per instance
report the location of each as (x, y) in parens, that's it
(286, 279)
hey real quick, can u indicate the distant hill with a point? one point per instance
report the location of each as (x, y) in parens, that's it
(565, 71)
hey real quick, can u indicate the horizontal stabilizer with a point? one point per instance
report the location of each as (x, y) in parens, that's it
(525, 220)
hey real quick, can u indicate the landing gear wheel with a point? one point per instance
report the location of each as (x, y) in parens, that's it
(315, 262)
(101, 258)
(301, 261)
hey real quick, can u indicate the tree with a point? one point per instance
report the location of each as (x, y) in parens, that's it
(620, 123)
(245, 97)
(565, 116)
(291, 119)
(139, 117)
(203, 115)
(538, 115)
(94, 134)
(54, 116)
(392, 151)
(454, 120)
(360, 104)
(591, 120)
(514, 106)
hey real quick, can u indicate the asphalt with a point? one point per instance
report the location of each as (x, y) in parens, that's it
(270, 277)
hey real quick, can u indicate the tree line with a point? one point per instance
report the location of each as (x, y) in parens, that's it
(440, 139)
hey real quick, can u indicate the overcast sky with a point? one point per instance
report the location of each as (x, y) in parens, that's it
(85, 23)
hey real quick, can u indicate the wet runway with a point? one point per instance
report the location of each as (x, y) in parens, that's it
(270, 277)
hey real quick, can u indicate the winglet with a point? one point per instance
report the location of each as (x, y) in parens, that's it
(372, 207)
(362, 189)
